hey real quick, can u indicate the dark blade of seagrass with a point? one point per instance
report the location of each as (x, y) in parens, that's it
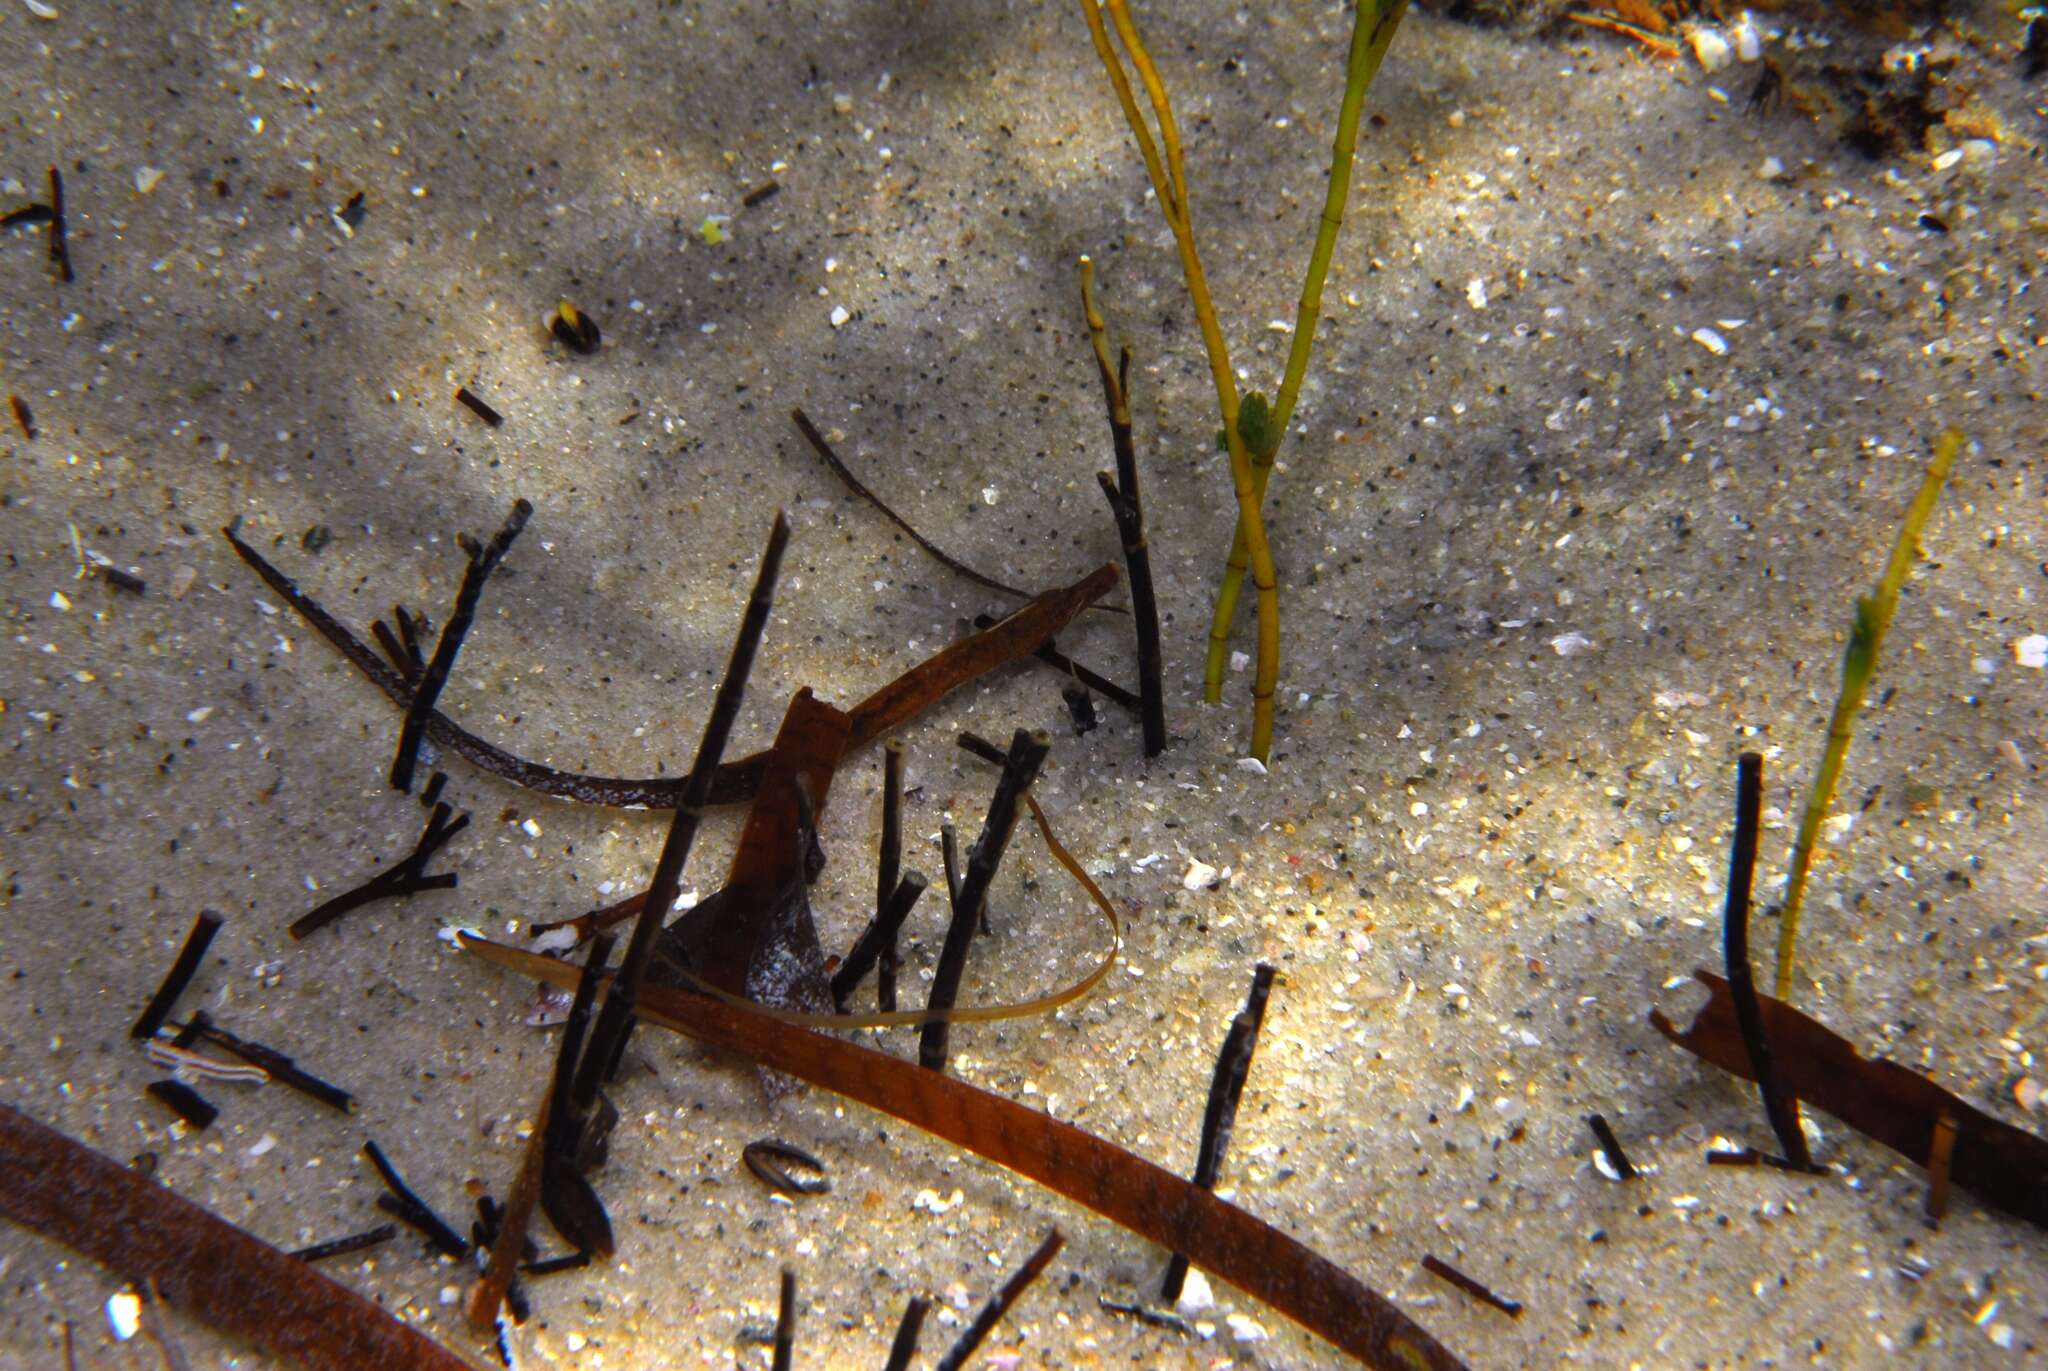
(1027, 755)
(1611, 1146)
(488, 1294)
(223, 1276)
(998, 1305)
(876, 945)
(1049, 653)
(852, 482)
(482, 562)
(785, 1322)
(1219, 1116)
(282, 1069)
(905, 1345)
(412, 1211)
(178, 977)
(615, 1023)
(1140, 1195)
(1779, 1108)
(888, 864)
(60, 239)
(1880, 1099)
(1444, 1271)
(406, 876)
(341, 1247)
(881, 713)
(1127, 508)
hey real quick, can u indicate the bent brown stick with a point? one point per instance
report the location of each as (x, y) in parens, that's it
(736, 781)
(200, 1262)
(1123, 1187)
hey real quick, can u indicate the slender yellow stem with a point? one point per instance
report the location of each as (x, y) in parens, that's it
(1173, 205)
(1859, 661)
(1372, 32)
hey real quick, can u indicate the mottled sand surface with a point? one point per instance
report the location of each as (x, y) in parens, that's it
(1620, 391)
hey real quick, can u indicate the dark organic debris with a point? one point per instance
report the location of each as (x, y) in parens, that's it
(281, 1068)
(785, 1322)
(178, 977)
(1226, 1089)
(60, 242)
(1610, 1146)
(475, 404)
(999, 1303)
(767, 190)
(574, 329)
(406, 877)
(182, 1100)
(409, 1209)
(354, 1242)
(905, 1345)
(23, 416)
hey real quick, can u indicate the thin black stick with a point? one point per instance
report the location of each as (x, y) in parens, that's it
(60, 242)
(1226, 1089)
(431, 796)
(354, 1242)
(23, 416)
(905, 1346)
(412, 1211)
(561, 1199)
(888, 864)
(282, 1069)
(1049, 653)
(877, 944)
(405, 877)
(482, 562)
(1028, 751)
(999, 1304)
(180, 975)
(478, 406)
(615, 1024)
(785, 1322)
(1611, 1146)
(409, 630)
(840, 469)
(1443, 1270)
(1782, 1110)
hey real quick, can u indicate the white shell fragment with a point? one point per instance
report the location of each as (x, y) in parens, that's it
(1199, 876)
(124, 1314)
(1710, 47)
(1565, 644)
(1711, 340)
(1748, 39)
(1196, 1295)
(2031, 651)
(839, 316)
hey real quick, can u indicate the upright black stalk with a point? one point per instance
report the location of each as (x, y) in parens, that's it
(1226, 1088)
(614, 1024)
(905, 1346)
(887, 868)
(482, 562)
(877, 944)
(1028, 752)
(1782, 1110)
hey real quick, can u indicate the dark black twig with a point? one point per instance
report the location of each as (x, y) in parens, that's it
(852, 482)
(354, 1242)
(121, 580)
(1443, 1270)
(407, 877)
(981, 747)
(282, 1069)
(476, 405)
(566, 1197)
(409, 630)
(412, 1211)
(615, 1024)
(1027, 755)
(1782, 1110)
(1226, 1089)
(1611, 1146)
(180, 975)
(999, 1304)
(23, 416)
(27, 216)
(1049, 653)
(766, 190)
(877, 944)
(785, 1322)
(905, 1345)
(549, 1266)
(431, 796)
(1127, 507)
(60, 242)
(1080, 707)
(765, 1157)
(182, 1100)
(482, 562)
(888, 865)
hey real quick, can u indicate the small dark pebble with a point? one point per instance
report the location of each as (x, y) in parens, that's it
(317, 537)
(354, 212)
